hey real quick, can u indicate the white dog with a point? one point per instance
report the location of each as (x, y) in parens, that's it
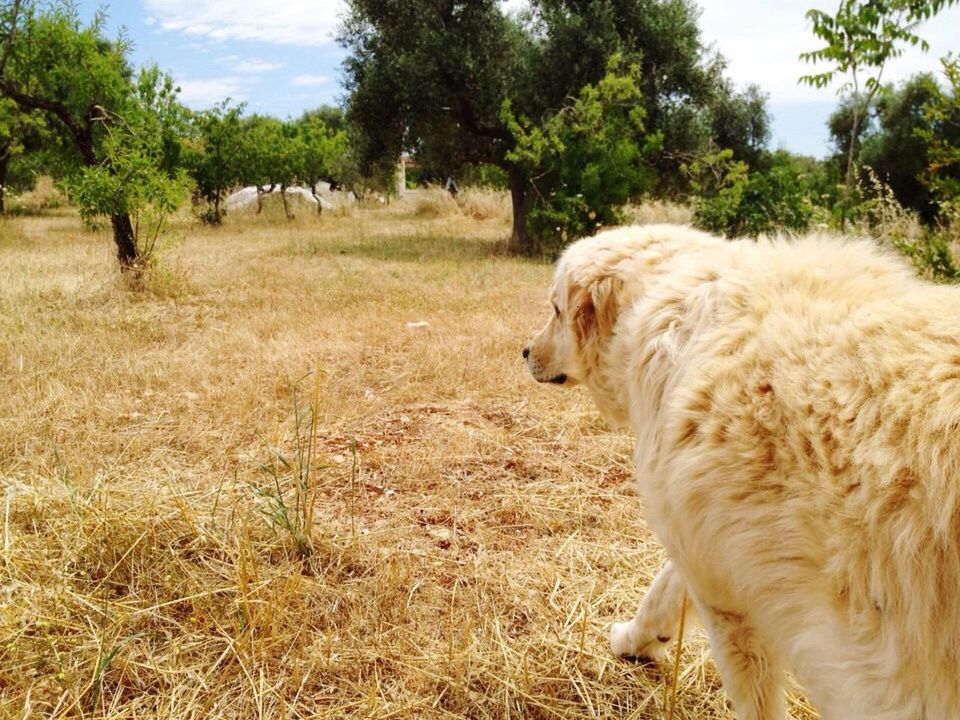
(797, 413)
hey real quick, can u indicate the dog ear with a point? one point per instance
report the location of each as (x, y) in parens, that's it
(596, 308)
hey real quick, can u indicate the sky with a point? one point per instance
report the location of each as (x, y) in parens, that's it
(282, 58)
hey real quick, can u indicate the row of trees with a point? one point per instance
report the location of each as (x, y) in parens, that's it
(228, 149)
(576, 107)
(582, 105)
(119, 140)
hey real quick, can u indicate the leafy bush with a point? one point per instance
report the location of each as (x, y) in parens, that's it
(933, 256)
(485, 175)
(941, 134)
(586, 160)
(932, 250)
(736, 202)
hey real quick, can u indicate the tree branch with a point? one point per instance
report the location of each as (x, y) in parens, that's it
(476, 127)
(9, 41)
(82, 134)
(32, 102)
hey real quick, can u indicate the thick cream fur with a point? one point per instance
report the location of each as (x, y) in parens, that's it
(796, 406)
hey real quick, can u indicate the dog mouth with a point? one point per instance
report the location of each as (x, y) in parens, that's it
(558, 379)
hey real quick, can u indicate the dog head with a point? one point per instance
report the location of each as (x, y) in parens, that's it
(591, 286)
(583, 315)
(596, 280)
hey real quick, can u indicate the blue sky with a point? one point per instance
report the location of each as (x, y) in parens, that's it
(280, 58)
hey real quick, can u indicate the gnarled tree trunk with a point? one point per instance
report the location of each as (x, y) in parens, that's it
(4, 164)
(520, 241)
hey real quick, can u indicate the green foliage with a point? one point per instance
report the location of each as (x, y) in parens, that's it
(932, 256)
(326, 152)
(263, 158)
(484, 175)
(587, 159)
(21, 133)
(279, 154)
(213, 155)
(140, 174)
(116, 142)
(739, 122)
(434, 78)
(905, 140)
(893, 141)
(735, 202)
(71, 73)
(941, 135)
(865, 34)
(861, 37)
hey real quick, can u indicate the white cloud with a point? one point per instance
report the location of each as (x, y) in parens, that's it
(762, 43)
(291, 22)
(310, 80)
(248, 66)
(252, 66)
(202, 94)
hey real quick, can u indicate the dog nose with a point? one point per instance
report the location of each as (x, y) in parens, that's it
(526, 353)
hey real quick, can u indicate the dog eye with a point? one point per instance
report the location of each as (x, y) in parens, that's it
(663, 638)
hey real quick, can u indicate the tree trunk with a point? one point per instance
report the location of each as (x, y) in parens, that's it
(4, 164)
(261, 191)
(520, 241)
(848, 176)
(126, 242)
(316, 196)
(217, 218)
(283, 196)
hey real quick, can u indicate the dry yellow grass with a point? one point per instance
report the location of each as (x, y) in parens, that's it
(472, 202)
(659, 211)
(252, 491)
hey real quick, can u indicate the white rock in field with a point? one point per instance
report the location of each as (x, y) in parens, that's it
(247, 197)
(418, 324)
(241, 198)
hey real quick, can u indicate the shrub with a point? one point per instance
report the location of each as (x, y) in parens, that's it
(734, 202)
(933, 251)
(587, 160)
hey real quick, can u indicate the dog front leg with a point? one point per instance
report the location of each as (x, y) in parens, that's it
(657, 621)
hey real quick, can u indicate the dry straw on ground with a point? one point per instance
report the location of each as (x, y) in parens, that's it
(251, 490)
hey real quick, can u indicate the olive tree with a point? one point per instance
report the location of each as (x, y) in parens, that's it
(434, 76)
(82, 83)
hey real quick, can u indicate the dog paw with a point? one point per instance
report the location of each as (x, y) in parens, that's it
(627, 641)
(622, 641)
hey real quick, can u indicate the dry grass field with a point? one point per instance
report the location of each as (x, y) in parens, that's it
(252, 490)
